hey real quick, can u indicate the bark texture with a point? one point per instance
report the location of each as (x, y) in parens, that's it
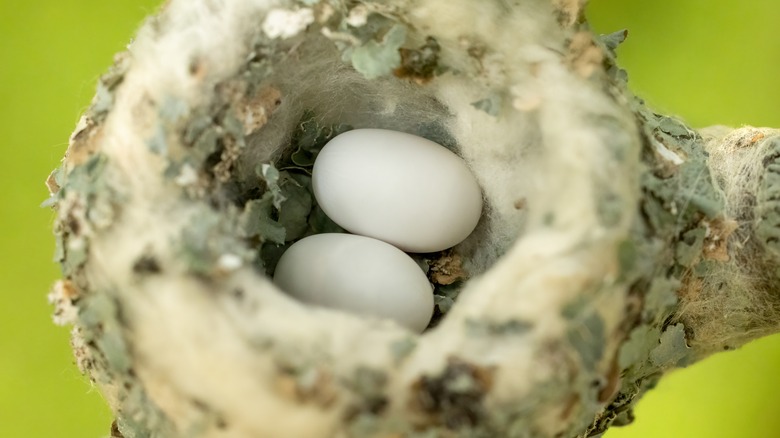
(616, 244)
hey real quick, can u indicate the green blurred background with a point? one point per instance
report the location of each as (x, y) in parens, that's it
(710, 62)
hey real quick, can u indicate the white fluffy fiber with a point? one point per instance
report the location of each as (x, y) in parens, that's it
(541, 242)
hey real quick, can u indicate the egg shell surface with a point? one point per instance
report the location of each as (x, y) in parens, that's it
(357, 274)
(405, 190)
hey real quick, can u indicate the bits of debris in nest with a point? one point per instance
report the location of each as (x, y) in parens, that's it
(420, 65)
(187, 176)
(716, 238)
(62, 296)
(229, 262)
(308, 386)
(115, 433)
(358, 16)
(147, 264)
(284, 23)
(447, 269)
(253, 111)
(584, 56)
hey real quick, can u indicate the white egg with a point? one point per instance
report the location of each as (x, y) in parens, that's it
(357, 274)
(397, 187)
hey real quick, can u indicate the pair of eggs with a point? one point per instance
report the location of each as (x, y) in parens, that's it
(396, 192)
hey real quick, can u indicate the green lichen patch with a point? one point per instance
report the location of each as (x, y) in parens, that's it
(673, 350)
(610, 206)
(586, 332)
(377, 58)
(214, 137)
(366, 24)
(444, 297)
(688, 250)
(107, 85)
(577, 308)
(637, 348)
(294, 210)
(683, 194)
(114, 348)
(270, 175)
(674, 127)
(96, 309)
(661, 299)
(206, 240)
(86, 179)
(491, 105)
(588, 336)
(307, 140)
(172, 112)
(768, 199)
(103, 334)
(202, 135)
(286, 209)
(71, 253)
(257, 221)
(614, 39)
(138, 416)
(628, 258)
(688, 197)
(282, 213)
(86, 202)
(618, 77)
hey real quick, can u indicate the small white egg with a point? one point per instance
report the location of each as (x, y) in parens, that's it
(357, 274)
(397, 187)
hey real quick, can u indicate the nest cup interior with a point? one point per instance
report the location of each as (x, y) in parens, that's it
(316, 85)
(317, 96)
